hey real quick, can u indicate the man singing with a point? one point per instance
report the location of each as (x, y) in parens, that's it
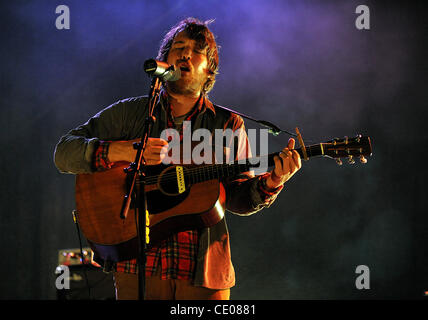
(191, 264)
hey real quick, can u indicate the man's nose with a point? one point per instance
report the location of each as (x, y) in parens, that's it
(186, 53)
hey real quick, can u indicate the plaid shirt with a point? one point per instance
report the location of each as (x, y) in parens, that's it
(177, 254)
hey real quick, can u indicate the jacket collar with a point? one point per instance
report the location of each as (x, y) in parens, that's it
(203, 102)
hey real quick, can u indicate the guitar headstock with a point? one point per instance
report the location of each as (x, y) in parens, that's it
(350, 148)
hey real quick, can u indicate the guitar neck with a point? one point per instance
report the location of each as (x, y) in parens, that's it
(315, 150)
(360, 146)
(219, 171)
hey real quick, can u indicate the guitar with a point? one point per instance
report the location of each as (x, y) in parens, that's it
(179, 197)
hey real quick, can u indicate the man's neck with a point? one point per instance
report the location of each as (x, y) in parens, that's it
(181, 104)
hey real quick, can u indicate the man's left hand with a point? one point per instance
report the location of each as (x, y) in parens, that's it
(286, 165)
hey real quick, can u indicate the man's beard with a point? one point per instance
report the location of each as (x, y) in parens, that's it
(187, 87)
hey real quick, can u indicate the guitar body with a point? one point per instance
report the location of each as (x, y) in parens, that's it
(99, 198)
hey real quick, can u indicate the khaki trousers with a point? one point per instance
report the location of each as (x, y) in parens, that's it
(157, 289)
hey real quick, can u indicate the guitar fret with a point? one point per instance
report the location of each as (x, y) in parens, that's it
(195, 175)
(217, 171)
(210, 173)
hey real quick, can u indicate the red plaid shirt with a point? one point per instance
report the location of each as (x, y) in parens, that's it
(177, 254)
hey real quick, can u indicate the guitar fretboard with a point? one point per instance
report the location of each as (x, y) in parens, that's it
(220, 171)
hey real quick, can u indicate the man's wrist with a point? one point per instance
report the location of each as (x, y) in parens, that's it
(273, 181)
(116, 151)
(269, 183)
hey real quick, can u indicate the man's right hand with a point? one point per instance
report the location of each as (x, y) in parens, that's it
(124, 151)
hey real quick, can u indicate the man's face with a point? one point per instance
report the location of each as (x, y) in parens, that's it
(186, 54)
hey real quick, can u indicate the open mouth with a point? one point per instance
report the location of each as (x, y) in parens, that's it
(184, 69)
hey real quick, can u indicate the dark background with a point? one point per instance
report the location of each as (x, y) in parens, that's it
(295, 63)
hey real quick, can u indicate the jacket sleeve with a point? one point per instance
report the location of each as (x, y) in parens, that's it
(247, 194)
(75, 150)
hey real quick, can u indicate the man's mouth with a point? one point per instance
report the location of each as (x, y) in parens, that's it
(184, 69)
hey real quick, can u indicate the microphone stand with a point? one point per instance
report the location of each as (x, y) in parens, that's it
(137, 168)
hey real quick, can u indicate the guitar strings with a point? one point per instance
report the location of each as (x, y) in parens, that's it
(199, 172)
(203, 171)
(195, 172)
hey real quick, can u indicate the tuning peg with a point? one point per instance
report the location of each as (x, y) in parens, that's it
(339, 161)
(358, 138)
(363, 159)
(351, 160)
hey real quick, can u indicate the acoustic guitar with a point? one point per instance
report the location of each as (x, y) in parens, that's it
(179, 197)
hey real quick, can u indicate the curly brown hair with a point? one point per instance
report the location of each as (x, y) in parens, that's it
(196, 30)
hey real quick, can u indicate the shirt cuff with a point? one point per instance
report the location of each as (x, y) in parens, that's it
(100, 161)
(267, 194)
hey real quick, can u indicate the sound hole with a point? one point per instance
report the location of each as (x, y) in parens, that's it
(169, 182)
(168, 195)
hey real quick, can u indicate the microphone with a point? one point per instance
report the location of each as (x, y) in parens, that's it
(163, 70)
